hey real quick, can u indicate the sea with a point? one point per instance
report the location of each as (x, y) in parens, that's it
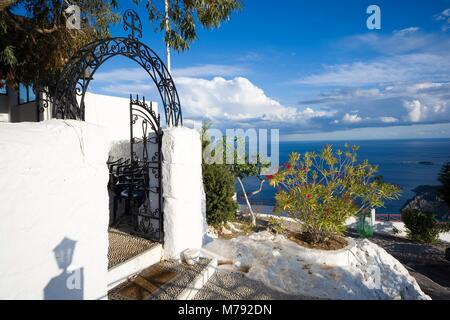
(406, 163)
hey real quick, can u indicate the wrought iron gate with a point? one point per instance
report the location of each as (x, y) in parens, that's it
(68, 94)
(145, 197)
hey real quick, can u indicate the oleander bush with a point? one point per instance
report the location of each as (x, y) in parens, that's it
(324, 189)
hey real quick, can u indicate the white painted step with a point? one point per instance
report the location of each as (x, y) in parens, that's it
(199, 282)
(122, 271)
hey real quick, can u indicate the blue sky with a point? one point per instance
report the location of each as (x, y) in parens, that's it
(311, 69)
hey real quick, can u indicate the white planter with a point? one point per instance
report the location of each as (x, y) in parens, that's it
(341, 257)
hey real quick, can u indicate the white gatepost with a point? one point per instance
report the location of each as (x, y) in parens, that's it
(182, 191)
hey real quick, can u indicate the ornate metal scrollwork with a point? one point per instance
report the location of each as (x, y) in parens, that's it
(69, 94)
(145, 138)
(132, 21)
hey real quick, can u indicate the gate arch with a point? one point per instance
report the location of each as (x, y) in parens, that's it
(73, 82)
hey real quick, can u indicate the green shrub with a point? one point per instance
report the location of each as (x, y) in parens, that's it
(219, 188)
(444, 179)
(275, 225)
(218, 182)
(422, 226)
(324, 189)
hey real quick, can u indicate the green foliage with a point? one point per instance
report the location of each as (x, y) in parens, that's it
(186, 14)
(243, 166)
(35, 43)
(219, 188)
(275, 225)
(444, 179)
(324, 189)
(422, 226)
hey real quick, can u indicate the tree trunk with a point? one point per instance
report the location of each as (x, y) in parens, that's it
(167, 25)
(247, 202)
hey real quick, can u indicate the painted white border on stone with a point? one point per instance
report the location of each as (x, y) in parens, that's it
(341, 257)
(199, 282)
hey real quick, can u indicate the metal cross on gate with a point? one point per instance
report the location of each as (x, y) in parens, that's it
(131, 20)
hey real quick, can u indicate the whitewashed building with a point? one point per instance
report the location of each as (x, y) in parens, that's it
(18, 106)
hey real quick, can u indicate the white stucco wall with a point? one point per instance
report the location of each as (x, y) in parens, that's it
(112, 113)
(182, 190)
(54, 210)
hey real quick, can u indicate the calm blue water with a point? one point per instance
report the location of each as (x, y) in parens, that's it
(399, 162)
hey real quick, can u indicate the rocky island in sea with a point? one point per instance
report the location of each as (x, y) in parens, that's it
(427, 199)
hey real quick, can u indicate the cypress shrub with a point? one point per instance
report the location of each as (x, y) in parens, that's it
(219, 188)
(444, 179)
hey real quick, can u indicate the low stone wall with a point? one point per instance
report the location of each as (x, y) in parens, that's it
(54, 210)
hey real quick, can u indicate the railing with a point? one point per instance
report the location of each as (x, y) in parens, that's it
(384, 217)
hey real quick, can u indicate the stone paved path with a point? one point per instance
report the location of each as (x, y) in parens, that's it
(229, 285)
(123, 246)
(165, 280)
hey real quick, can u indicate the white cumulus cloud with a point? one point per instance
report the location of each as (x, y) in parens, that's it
(416, 110)
(388, 119)
(351, 118)
(432, 110)
(234, 99)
